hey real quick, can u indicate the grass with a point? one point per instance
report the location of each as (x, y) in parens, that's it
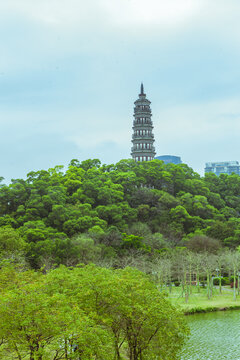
(198, 302)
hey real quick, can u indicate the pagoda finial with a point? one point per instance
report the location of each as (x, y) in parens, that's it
(142, 90)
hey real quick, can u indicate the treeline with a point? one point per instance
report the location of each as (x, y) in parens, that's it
(103, 213)
(202, 271)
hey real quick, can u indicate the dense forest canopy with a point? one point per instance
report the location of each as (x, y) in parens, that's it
(93, 211)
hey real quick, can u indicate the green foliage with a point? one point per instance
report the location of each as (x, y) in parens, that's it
(10, 241)
(224, 281)
(50, 208)
(201, 243)
(88, 313)
(132, 241)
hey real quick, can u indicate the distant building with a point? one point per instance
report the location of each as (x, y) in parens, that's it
(142, 138)
(169, 159)
(224, 167)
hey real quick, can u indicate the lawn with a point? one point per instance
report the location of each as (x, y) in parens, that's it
(198, 302)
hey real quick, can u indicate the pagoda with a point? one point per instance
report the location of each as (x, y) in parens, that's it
(142, 138)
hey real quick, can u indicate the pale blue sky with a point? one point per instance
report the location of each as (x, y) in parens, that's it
(71, 70)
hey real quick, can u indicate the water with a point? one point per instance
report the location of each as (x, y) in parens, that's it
(214, 336)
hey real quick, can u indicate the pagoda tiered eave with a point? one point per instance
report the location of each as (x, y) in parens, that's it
(142, 138)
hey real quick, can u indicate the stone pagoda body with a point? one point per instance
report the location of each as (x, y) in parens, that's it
(142, 138)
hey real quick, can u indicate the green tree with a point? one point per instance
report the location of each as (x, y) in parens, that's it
(150, 324)
(39, 322)
(142, 322)
(201, 243)
(10, 240)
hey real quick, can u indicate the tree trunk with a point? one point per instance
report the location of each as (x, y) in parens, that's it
(208, 286)
(190, 279)
(220, 283)
(117, 352)
(31, 353)
(198, 282)
(135, 353)
(186, 288)
(234, 284)
(183, 288)
(65, 349)
(238, 283)
(17, 351)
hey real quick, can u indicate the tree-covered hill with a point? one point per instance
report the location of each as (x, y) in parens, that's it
(104, 210)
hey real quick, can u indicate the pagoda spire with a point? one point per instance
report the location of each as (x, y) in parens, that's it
(142, 90)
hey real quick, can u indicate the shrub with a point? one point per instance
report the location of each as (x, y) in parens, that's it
(224, 281)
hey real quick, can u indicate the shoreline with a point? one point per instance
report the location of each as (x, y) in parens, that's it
(199, 310)
(199, 303)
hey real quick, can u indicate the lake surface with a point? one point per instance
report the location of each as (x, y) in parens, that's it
(214, 336)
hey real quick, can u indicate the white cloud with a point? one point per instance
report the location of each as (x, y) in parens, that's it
(118, 13)
(33, 32)
(152, 12)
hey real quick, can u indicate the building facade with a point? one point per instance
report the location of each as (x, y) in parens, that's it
(224, 167)
(142, 138)
(170, 159)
